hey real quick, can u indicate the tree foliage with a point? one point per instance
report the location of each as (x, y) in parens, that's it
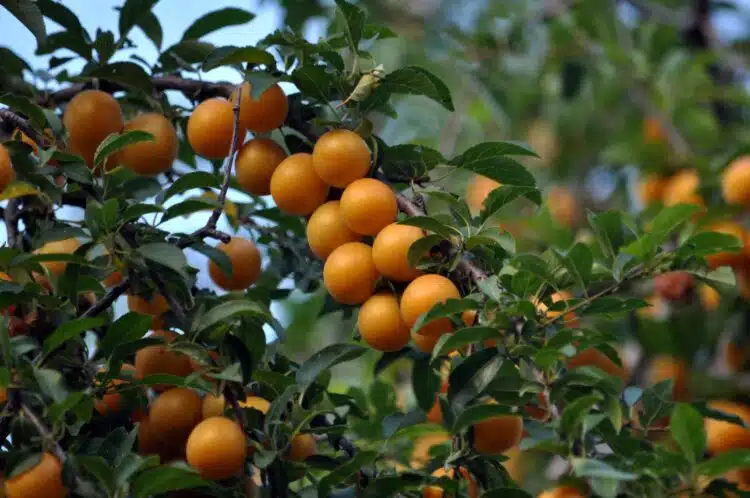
(481, 301)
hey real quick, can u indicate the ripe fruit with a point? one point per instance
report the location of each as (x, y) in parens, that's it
(44, 479)
(213, 406)
(111, 401)
(592, 357)
(295, 187)
(159, 360)
(151, 442)
(7, 173)
(301, 447)
(381, 325)
(728, 258)
(735, 181)
(66, 246)
(498, 434)
(245, 259)
(151, 157)
(438, 492)
(390, 251)
(256, 402)
(724, 436)
(542, 137)
(350, 274)
(368, 206)
(217, 448)
(210, 127)
(653, 132)
(425, 343)
(340, 157)
(421, 295)
(710, 297)
(255, 164)
(651, 189)
(665, 367)
(264, 114)
(326, 230)
(563, 206)
(674, 286)
(478, 189)
(435, 415)
(90, 117)
(424, 443)
(682, 188)
(175, 413)
(563, 492)
(155, 306)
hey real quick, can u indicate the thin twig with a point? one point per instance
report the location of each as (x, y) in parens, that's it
(11, 215)
(109, 298)
(232, 400)
(17, 122)
(43, 432)
(229, 167)
(174, 305)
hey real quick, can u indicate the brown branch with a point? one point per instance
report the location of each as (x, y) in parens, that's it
(109, 298)
(193, 89)
(466, 269)
(11, 216)
(12, 121)
(211, 223)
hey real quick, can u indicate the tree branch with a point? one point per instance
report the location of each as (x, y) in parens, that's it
(211, 223)
(13, 121)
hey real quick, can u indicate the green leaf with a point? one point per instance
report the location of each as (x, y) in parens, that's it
(344, 471)
(478, 413)
(354, 23)
(686, 426)
(463, 337)
(131, 13)
(136, 211)
(30, 16)
(473, 376)
(127, 73)
(115, 142)
(99, 468)
(230, 55)
(314, 81)
(166, 255)
(230, 309)
(490, 159)
(503, 195)
(706, 243)
(425, 383)
(403, 162)
(412, 80)
(189, 206)
(325, 359)
(27, 107)
(721, 464)
(394, 422)
(450, 307)
(70, 330)
(613, 304)
(576, 411)
(51, 384)
(196, 179)
(213, 21)
(432, 225)
(607, 227)
(151, 27)
(219, 257)
(579, 262)
(505, 493)
(490, 237)
(167, 478)
(420, 248)
(131, 464)
(587, 467)
(185, 52)
(668, 220)
(128, 328)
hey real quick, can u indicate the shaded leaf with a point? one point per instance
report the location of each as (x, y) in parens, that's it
(115, 142)
(126, 73)
(30, 16)
(230, 55)
(213, 21)
(167, 478)
(230, 309)
(412, 80)
(325, 359)
(70, 330)
(686, 426)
